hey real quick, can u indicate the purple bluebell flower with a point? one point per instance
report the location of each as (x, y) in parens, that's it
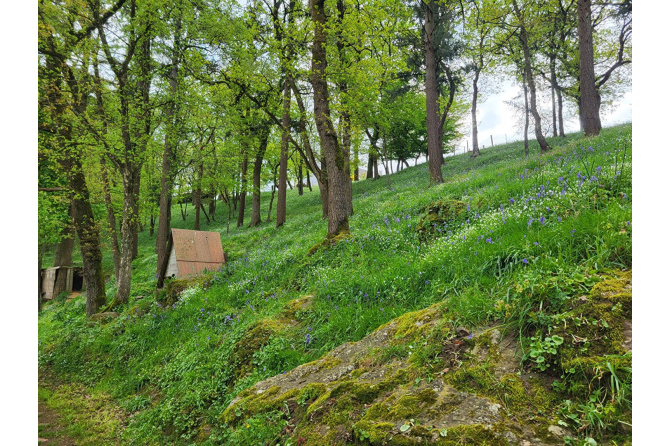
(542, 220)
(524, 260)
(511, 200)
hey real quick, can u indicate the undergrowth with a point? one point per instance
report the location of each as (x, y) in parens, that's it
(533, 235)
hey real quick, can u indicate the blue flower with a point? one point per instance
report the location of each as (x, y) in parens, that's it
(524, 260)
(542, 220)
(511, 200)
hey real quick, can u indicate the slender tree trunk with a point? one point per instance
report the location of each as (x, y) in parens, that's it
(475, 91)
(283, 157)
(338, 207)
(243, 191)
(559, 95)
(369, 173)
(128, 230)
(136, 211)
(526, 112)
(309, 180)
(169, 151)
(523, 37)
(258, 164)
(197, 199)
(432, 98)
(552, 67)
(589, 111)
(274, 188)
(300, 183)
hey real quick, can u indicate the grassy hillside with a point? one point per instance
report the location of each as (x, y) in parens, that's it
(505, 241)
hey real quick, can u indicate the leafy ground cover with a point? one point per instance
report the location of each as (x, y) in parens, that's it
(505, 241)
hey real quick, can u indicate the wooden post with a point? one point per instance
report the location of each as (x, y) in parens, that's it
(491, 140)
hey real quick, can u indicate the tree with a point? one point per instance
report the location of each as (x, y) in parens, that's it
(338, 208)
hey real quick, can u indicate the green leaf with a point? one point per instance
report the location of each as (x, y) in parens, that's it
(405, 427)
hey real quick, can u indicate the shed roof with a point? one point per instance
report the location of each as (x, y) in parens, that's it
(196, 251)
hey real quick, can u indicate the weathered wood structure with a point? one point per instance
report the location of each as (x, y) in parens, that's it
(190, 253)
(73, 281)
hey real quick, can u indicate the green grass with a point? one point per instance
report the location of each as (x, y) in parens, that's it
(528, 240)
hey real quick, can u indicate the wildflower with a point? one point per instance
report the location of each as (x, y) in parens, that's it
(524, 260)
(530, 222)
(511, 200)
(536, 244)
(542, 220)
(488, 240)
(572, 233)
(469, 336)
(559, 219)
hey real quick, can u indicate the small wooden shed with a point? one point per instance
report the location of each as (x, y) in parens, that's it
(192, 252)
(61, 278)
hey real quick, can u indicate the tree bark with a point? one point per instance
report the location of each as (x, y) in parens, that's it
(338, 207)
(435, 157)
(258, 164)
(475, 91)
(300, 183)
(197, 199)
(89, 236)
(589, 111)
(243, 191)
(525, 112)
(283, 157)
(111, 218)
(523, 37)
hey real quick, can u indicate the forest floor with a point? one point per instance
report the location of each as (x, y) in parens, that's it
(51, 428)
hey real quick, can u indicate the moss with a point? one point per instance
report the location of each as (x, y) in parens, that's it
(330, 240)
(311, 392)
(257, 403)
(411, 326)
(596, 327)
(175, 287)
(474, 434)
(372, 432)
(296, 305)
(409, 406)
(439, 216)
(255, 338)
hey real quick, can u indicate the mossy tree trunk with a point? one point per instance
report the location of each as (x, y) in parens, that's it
(338, 207)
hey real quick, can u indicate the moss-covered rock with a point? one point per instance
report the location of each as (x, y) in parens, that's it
(439, 217)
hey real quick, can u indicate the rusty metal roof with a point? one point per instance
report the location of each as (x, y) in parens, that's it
(196, 251)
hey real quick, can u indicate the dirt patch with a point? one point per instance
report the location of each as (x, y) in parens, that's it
(51, 430)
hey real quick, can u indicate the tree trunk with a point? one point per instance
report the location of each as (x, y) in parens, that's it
(243, 191)
(559, 95)
(169, 152)
(300, 183)
(369, 173)
(89, 236)
(258, 164)
(523, 37)
(475, 91)
(197, 199)
(432, 97)
(283, 157)
(128, 230)
(338, 207)
(552, 67)
(309, 180)
(526, 112)
(589, 97)
(136, 211)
